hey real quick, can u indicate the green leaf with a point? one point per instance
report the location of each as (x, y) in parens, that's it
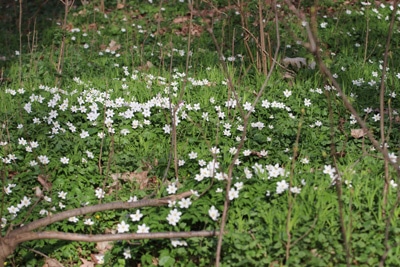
(166, 261)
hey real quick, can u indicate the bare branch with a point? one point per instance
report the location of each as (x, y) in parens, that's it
(96, 208)
(110, 237)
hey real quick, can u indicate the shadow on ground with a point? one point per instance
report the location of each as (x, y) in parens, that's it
(37, 17)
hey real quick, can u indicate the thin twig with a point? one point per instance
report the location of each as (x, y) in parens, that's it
(20, 41)
(245, 122)
(382, 107)
(290, 195)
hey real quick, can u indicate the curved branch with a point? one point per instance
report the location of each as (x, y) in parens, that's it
(324, 70)
(22, 237)
(96, 208)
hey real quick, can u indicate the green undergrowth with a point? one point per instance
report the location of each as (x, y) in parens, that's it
(102, 130)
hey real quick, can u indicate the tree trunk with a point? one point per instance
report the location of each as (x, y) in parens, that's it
(6, 249)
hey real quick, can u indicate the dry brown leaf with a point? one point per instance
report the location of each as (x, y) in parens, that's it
(179, 20)
(43, 180)
(52, 263)
(146, 66)
(141, 178)
(92, 26)
(103, 247)
(196, 30)
(358, 133)
(288, 75)
(82, 12)
(138, 177)
(154, 261)
(113, 46)
(86, 263)
(38, 191)
(120, 6)
(69, 27)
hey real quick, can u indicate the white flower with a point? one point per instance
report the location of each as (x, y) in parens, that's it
(281, 186)
(88, 222)
(174, 216)
(328, 169)
(274, 171)
(101, 135)
(247, 152)
(305, 160)
(3, 222)
(136, 216)
(62, 195)
(13, 210)
(213, 213)
(132, 199)
(248, 173)
(99, 258)
(43, 212)
(127, 253)
(220, 176)
(89, 154)
(184, 203)
(7, 190)
(377, 117)
(177, 242)
(43, 159)
(287, 93)
(307, 102)
(123, 227)
(392, 157)
(25, 202)
(84, 134)
(143, 229)
(22, 141)
(239, 185)
(295, 190)
(99, 193)
(73, 219)
(64, 160)
(92, 116)
(233, 150)
(167, 129)
(125, 131)
(171, 189)
(247, 106)
(214, 150)
(192, 155)
(171, 203)
(233, 193)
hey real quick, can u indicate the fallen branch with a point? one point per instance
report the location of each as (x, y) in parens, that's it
(14, 237)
